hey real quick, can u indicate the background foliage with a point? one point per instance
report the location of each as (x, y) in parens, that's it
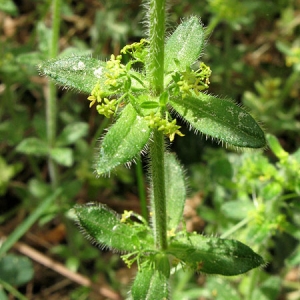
(254, 54)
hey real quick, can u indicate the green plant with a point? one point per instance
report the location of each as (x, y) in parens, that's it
(144, 102)
(256, 200)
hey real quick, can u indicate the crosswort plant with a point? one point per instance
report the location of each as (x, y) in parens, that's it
(162, 80)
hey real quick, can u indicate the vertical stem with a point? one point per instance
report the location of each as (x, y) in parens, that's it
(156, 49)
(157, 148)
(155, 70)
(56, 8)
(51, 105)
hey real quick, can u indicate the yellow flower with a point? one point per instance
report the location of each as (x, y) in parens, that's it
(92, 99)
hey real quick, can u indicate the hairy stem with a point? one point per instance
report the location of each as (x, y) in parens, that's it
(51, 101)
(156, 49)
(157, 149)
(155, 69)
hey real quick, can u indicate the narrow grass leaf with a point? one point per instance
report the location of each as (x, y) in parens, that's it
(23, 227)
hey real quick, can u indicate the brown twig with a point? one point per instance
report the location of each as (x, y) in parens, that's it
(61, 269)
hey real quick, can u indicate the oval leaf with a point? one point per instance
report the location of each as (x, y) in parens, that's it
(63, 156)
(175, 192)
(103, 227)
(220, 119)
(33, 146)
(79, 72)
(150, 284)
(215, 255)
(184, 46)
(124, 140)
(71, 133)
(15, 269)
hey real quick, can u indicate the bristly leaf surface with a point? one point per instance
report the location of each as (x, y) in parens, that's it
(123, 142)
(215, 255)
(184, 46)
(221, 119)
(104, 227)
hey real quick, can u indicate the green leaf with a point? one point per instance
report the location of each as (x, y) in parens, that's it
(237, 210)
(175, 190)
(162, 264)
(149, 104)
(220, 119)
(149, 284)
(271, 191)
(33, 146)
(269, 289)
(215, 255)
(44, 34)
(3, 295)
(123, 142)
(16, 269)
(71, 133)
(103, 227)
(221, 289)
(78, 72)
(63, 156)
(184, 46)
(30, 59)
(7, 172)
(39, 189)
(9, 7)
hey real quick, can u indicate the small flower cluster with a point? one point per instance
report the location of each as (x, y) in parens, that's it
(117, 81)
(96, 95)
(107, 107)
(126, 215)
(164, 125)
(137, 50)
(194, 80)
(115, 70)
